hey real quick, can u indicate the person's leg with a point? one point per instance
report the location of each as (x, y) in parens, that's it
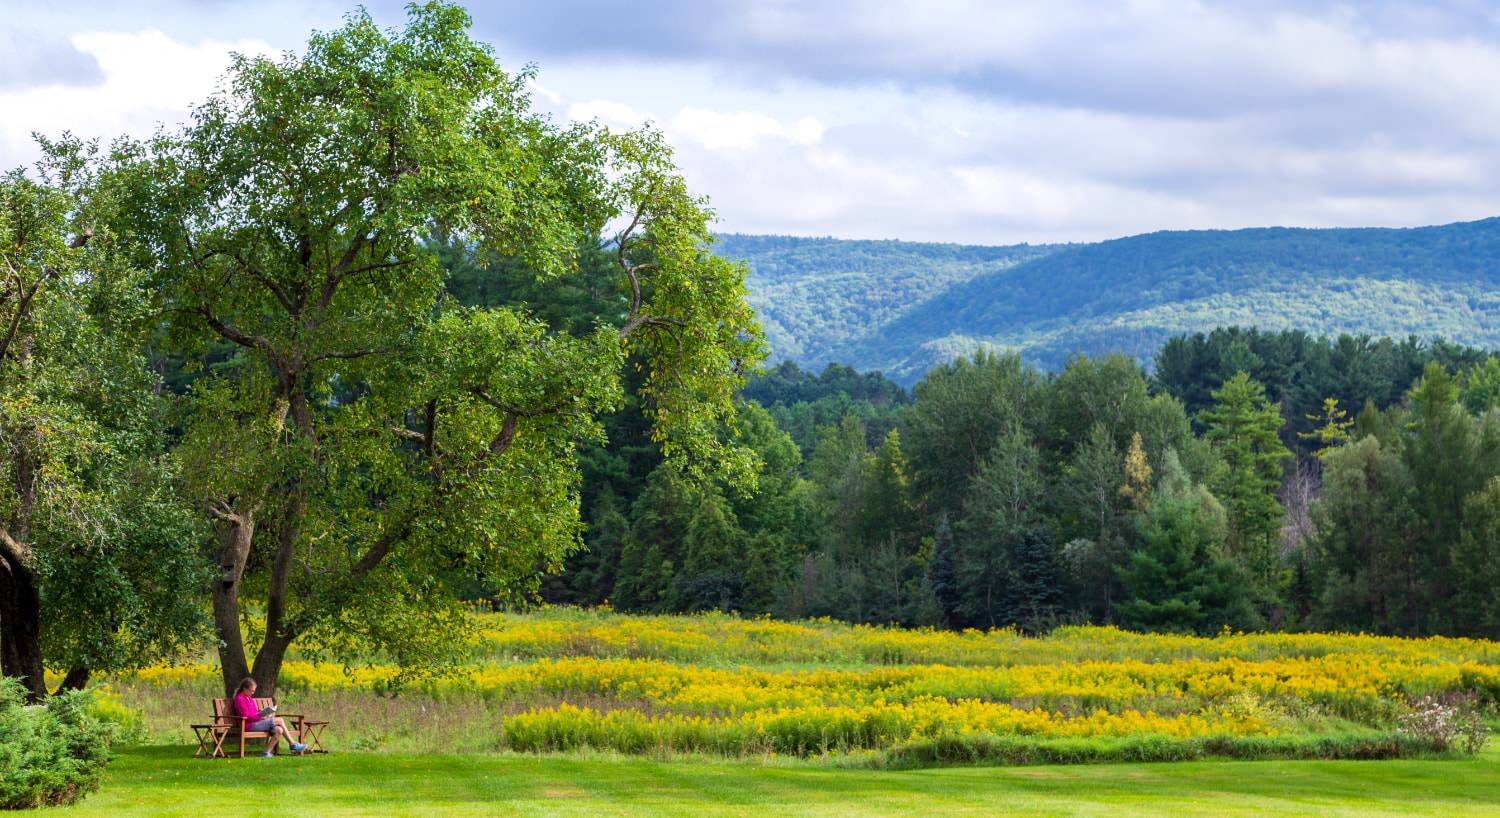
(267, 726)
(291, 742)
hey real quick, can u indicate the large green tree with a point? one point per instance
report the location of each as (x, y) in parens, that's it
(960, 411)
(371, 447)
(93, 545)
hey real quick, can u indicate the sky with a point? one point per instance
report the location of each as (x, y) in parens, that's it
(941, 120)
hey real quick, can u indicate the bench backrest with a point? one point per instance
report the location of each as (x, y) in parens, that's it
(224, 709)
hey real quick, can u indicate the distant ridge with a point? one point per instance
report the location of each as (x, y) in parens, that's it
(902, 307)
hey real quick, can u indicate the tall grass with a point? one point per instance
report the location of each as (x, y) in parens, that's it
(565, 680)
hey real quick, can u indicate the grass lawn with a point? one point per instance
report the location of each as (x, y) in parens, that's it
(166, 781)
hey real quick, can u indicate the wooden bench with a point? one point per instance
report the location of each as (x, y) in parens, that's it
(228, 726)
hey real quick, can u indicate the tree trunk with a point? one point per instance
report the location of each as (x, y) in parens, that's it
(268, 662)
(279, 632)
(21, 619)
(20, 599)
(76, 679)
(238, 535)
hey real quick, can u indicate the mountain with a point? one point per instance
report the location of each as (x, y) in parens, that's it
(901, 307)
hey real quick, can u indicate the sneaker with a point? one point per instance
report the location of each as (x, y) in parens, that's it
(268, 754)
(297, 748)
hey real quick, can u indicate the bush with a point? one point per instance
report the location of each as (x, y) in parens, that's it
(1447, 721)
(49, 754)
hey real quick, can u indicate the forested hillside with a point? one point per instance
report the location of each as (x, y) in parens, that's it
(817, 295)
(902, 307)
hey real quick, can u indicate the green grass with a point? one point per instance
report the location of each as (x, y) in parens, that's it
(166, 781)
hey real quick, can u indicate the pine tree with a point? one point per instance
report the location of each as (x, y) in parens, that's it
(1243, 427)
(1476, 564)
(887, 507)
(591, 571)
(1332, 426)
(836, 470)
(1034, 591)
(942, 573)
(652, 552)
(1450, 457)
(711, 576)
(1137, 488)
(1178, 578)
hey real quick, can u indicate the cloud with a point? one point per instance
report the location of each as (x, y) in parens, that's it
(1180, 57)
(613, 114)
(953, 120)
(29, 58)
(742, 130)
(146, 79)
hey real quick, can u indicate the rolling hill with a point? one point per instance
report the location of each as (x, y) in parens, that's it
(901, 307)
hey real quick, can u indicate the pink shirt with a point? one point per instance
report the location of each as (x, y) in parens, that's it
(244, 706)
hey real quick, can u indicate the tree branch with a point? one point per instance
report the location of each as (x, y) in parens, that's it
(336, 273)
(23, 307)
(343, 354)
(13, 550)
(266, 281)
(230, 333)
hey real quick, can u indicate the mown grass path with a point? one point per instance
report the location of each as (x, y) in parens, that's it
(166, 781)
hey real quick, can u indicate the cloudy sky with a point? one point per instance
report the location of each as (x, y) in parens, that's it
(945, 120)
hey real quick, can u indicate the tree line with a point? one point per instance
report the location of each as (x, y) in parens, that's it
(1251, 480)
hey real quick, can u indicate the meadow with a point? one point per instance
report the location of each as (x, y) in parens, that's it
(769, 692)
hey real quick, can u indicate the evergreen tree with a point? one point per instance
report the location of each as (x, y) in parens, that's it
(711, 576)
(653, 551)
(1137, 488)
(1450, 455)
(1034, 591)
(1178, 578)
(943, 574)
(590, 572)
(778, 521)
(887, 509)
(1366, 531)
(1476, 565)
(1332, 426)
(836, 470)
(1243, 427)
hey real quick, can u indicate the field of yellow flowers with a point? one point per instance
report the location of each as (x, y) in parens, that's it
(563, 679)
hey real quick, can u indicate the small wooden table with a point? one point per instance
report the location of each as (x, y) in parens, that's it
(310, 733)
(211, 740)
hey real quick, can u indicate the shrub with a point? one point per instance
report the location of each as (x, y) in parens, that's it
(1447, 721)
(49, 754)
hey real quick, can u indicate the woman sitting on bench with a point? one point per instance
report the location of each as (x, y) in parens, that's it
(258, 721)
